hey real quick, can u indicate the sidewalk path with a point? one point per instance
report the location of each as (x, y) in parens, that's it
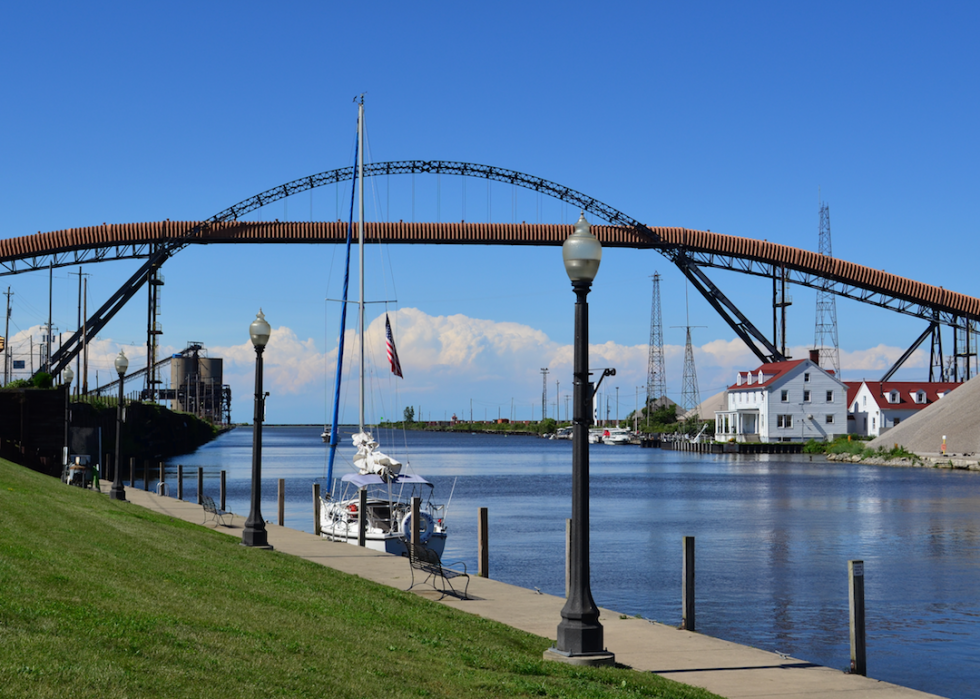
(727, 669)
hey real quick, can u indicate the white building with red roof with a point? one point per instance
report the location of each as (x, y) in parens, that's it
(789, 401)
(874, 407)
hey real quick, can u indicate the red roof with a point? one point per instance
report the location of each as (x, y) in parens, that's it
(770, 372)
(906, 392)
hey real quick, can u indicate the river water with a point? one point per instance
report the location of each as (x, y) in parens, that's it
(773, 535)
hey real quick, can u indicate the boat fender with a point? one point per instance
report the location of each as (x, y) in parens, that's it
(425, 526)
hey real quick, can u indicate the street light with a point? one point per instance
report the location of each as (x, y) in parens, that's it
(580, 633)
(255, 534)
(117, 492)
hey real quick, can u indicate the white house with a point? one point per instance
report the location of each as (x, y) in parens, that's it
(787, 401)
(874, 407)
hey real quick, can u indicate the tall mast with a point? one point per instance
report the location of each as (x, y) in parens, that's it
(360, 253)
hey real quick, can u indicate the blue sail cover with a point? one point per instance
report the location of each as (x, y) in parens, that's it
(365, 479)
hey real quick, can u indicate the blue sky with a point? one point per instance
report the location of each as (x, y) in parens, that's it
(720, 116)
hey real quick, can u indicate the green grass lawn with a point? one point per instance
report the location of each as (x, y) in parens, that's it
(105, 599)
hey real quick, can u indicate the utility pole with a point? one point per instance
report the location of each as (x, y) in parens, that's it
(85, 342)
(557, 400)
(78, 358)
(7, 348)
(47, 359)
(544, 393)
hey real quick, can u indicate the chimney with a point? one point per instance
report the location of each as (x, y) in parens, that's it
(815, 356)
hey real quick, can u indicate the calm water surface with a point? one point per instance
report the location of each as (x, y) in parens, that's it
(774, 534)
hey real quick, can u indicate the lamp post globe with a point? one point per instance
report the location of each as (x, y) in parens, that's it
(118, 492)
(68, 375)
(580, 636)
(255, 534)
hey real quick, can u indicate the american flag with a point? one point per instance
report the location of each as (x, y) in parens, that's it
(396, 366)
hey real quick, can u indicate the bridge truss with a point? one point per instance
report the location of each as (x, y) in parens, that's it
(687, 255)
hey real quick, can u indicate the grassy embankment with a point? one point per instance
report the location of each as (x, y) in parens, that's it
(855, 447)
(105, 599)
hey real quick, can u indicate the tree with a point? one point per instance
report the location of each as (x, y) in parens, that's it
(409, 414)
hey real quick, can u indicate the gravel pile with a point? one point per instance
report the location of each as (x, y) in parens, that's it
(955, 415)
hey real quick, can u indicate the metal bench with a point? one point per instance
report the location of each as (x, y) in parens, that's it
(212, 511)
(425, 560)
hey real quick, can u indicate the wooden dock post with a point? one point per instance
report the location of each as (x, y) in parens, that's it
(146, 475)
(200, 485)
(180, 481)
(362, 517)
(282, 502)
(482, 545)
(224, 489)
(162, 488)
(416, 508)
(687, 583)
(316, 509)
(855, 576)
(108, 473)
(132, 472)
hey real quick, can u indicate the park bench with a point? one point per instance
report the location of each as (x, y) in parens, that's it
(426, 561)
(212, 511)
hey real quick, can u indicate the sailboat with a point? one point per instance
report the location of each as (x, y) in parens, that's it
(386, 519)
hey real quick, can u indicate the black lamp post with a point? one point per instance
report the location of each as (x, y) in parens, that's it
(580, 633)
(255, 534)
(117, 492)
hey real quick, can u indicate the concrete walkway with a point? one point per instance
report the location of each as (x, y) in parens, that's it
(727, 669)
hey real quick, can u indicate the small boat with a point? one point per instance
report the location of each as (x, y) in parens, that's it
(386, 519)
(617, 436)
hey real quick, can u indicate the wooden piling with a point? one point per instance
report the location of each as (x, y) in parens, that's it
(132, 472)
(180, 481)
(109, 474)
(687, 583)
(482, 545)
(416, 508)
(855, 575)
(316, 509)
(281, 498)
(146, 475)
(224, 489)
(200, 485)
(362, 517)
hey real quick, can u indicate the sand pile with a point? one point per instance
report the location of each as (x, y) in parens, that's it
(956, 416)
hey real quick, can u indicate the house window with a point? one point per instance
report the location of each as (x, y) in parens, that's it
(784, 396)
(830, 419)
(830, 396)
(864, 401)
(806, 377)
(897, 420)
(893, 397)
(920, 397)
(784, 421)
(806, 395)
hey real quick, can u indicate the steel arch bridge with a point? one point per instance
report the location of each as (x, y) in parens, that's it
(689, 250)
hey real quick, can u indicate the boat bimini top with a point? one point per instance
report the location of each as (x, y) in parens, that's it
(362, 480)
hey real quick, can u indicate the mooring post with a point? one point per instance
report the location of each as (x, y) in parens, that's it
(687, 581)
(568, 556)
(416, 508)
(132, 472)
(362, 517)
(855, 575)
(316, 509)
(146, 475)
(109, 472)
(180, 481)
(482, 546)
(200, 485)
(282, 502)
(224, 489)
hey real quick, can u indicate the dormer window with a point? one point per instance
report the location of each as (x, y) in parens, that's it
(738, 379)
(920, 397)
(893, 397)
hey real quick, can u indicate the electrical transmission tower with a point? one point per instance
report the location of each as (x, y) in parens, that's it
(656, 375)
(825, 335)
(690, 395)
(544, 393)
